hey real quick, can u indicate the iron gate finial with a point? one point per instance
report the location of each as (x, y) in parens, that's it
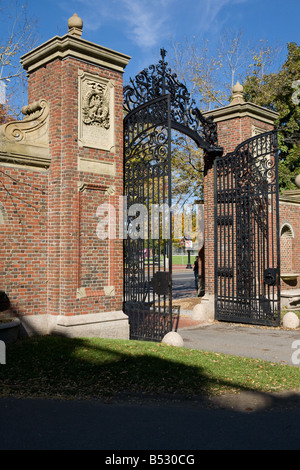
(163, 53)
(159, 80)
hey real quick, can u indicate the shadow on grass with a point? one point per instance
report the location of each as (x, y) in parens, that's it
(61, 368)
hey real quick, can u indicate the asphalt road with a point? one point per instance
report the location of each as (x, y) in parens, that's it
(183, 284)
(55, 425)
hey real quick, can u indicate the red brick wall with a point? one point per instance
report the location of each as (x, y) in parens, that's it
(23, 239)
(290, 247)
(54, 252)
(233, 132)
(209, 227)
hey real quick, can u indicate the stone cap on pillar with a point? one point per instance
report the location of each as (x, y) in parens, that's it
(237, 94)
(72, 45)
(239, 108)
(75, 26)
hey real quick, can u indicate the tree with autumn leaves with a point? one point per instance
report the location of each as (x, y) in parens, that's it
(210, 75)
(279, 92)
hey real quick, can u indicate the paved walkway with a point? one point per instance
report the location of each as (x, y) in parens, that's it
(269, 344)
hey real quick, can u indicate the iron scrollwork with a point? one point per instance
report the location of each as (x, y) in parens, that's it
(159, 80)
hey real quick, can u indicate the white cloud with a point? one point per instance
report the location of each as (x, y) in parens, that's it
(144, 22)
(147, 21)
(94, 13)
(209, 12)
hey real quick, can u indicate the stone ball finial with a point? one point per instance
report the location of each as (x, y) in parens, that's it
(237, 94)
(297, 181)
(75, 25)
(238, 88)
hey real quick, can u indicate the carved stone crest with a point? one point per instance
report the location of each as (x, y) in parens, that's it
(95, 109)
(96, 112)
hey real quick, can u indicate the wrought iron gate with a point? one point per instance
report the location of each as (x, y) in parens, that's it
(247, 250)
(154, 103)
(148, 247)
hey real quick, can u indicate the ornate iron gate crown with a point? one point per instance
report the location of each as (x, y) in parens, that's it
(159, 80)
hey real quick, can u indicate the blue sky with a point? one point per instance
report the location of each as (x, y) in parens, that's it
(140, 28)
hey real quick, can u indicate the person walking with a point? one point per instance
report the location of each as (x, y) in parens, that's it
(196, 272)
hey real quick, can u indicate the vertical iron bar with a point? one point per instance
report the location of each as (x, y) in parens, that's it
(171, 214)
(216, 163)
(275, 149)
(148, 253)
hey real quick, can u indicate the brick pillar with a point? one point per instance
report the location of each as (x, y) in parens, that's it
(83, 83)
(236, 123)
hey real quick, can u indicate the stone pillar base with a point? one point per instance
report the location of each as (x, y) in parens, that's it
(208, 303)
(114, 325)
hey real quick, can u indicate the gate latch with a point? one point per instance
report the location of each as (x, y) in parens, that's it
(270, 276)
(161, 283)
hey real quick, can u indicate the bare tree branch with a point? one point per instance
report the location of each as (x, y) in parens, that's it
(18, 35)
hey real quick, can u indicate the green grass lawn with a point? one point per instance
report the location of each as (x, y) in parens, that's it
(61, 368)
(183, 260)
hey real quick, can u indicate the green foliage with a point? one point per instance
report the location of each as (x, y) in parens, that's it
(210, 76)
(277, 92)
